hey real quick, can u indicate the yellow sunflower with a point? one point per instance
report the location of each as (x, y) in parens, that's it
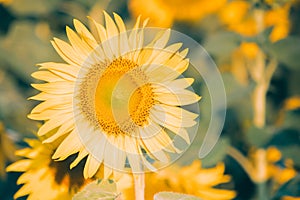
(193, 180)
(238, 16)
(290, 198)
(5, 1)
(44, 178)
(115, 98)
(279, 174)
(7, 147)
(164, 12)
(262, 166)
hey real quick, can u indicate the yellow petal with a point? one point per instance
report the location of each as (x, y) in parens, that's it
(59, 103)
(62, 87)
(178, 98)
(85, 34)
(133, 154)
(82, 154)
(91, 167)
(70, 145)
(64, 129)
(46, 76)
(61, 67)
(19, 166)
(79, 46)
(66, 52)
(53, 123)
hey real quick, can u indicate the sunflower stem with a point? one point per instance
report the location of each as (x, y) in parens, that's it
(262, 74)
(260, 91)
(139, 186)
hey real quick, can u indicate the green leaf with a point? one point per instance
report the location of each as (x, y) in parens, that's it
(257, 136)
(222, 44)
(174, 196)
(291, 152)
(32, 7)
(217, 154)
(291, 188)
(22, 48)
(287, 51)
(14, 117)
(291, 120)
(98, 191)
(235, 92)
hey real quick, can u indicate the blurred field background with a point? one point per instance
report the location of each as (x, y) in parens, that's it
(255, 44)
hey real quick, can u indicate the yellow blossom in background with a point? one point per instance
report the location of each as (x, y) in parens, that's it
(283, 174)
(193, 180)
(249, 49)
(279, 18)
(238, 16)
(5, 1)
(241, 60)
(7, 149)
(235, 15)
(163, 13)
(292, 103)
(44, 178)
(280, 174)
(266, 168)
(290, 198)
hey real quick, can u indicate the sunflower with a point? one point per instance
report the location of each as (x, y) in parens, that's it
(116, 101)
(7, 147)
(43, 177)
(164, 12)
(5, 1)
(290, 198)
(192, 179)
(238, 16)
(263, 165)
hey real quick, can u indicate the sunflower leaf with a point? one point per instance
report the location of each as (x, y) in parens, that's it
(222, 44)
(174, 196)
(104, 190)
(287, 51)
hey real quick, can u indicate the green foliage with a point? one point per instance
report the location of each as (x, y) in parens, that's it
(98, 191)
(288, 142)
(287, 51)
(258, 137)
(174, 196)
(32, 7)
(291, 188)
(218, 153)
(23, 35)
(222, 44)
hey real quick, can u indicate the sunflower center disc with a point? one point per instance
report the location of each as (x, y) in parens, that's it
(123, 98)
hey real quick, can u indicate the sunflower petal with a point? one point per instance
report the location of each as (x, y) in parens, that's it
(91, 167)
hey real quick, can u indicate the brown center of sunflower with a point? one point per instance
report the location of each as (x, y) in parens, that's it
(122, 98)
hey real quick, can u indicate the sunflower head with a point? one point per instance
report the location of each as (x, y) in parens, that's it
(117, 100)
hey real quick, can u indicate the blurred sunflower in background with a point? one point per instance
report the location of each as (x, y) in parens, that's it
(193, 179)
(7, 149)
(238, 16)
(43, 177)
(163, 13)
(5, 1)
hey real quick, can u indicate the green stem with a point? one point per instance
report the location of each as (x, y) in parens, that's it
(262, 193)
